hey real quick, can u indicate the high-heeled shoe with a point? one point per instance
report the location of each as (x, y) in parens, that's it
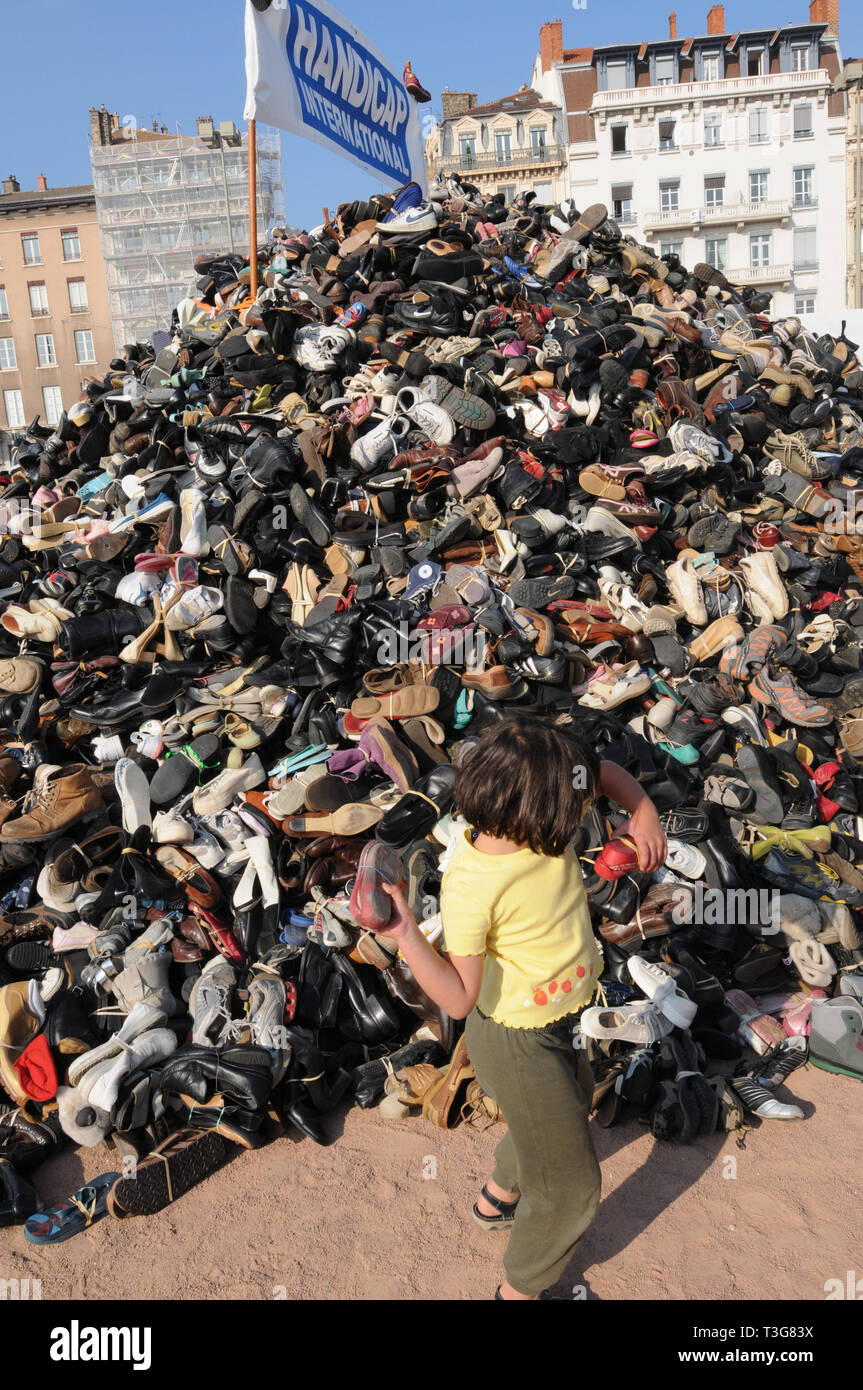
(142, 648)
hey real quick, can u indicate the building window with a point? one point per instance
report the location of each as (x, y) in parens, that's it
(804, 195)
(671, 248)
(666, 135)
(467, 150)
(759, 250)
(30, 248)
(618, 139)
(45, 353)
(799, 57)
(78, 296)
(714, 191)
(14, 403)
(664, 69)
(715, 249)
(543, 192)
(754, 62)
(52, 404)
(71, 244)
(804, 304)
(84, 351)
(4, 303)
(758, 126)
(538, 139)
(803, 120)
(507, 189)
(804, 249)
(669, 194)
(502, 146)
(713, 129)
(8, 360)
(621, 204)
(615, 76)
(710, 67)
(758, 186)
(38, 298)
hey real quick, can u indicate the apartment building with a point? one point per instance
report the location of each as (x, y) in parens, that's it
(163, 198)
(508, 146)
(727, 148)
(54, 321)
(854, 155)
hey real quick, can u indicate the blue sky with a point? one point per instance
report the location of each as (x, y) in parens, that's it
(173, 60)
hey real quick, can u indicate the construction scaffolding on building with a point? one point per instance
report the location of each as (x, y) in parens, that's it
(164, 199)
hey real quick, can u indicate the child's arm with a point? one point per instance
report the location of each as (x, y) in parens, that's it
(452, 982)
(643, 826)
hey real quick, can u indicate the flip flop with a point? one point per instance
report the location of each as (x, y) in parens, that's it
(77, 1213)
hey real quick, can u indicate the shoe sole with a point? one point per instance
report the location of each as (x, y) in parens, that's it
(835, 1068)
(156, 1185)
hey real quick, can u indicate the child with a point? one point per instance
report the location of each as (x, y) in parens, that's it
(521, 964)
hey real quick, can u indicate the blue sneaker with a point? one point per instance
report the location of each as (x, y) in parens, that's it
(522, 273)
(410, 197)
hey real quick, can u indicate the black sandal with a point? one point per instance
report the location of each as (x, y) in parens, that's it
(506, 1212)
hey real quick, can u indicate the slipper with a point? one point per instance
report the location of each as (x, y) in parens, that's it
(178, 1164)
(813, 963)
(352, 819)
(406, 703)
(66, 1219)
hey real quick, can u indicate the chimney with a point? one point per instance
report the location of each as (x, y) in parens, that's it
(825, 12)
(100, 126)
(457, 103)
(672, 25)
(551, 43)
(42, 184)
(11, 185)
(716, 19)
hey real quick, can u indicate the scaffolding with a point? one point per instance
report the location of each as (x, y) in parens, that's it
(162, 200)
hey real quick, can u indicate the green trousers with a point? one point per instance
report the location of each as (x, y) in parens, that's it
(543, 1086)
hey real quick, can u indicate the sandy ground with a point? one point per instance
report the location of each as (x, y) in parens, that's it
(384, 1213)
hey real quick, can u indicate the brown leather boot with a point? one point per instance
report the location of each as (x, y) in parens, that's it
(61, 796)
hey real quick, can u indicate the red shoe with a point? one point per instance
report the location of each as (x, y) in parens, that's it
(370, 905)
(414, 86)
(218, 934)
(618, 858)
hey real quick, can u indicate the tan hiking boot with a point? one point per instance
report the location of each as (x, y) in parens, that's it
(61, 796)
(10, 771)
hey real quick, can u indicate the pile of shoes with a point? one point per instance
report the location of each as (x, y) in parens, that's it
(263, 582)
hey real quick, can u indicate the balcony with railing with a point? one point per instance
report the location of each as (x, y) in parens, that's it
(718, 215)
(760, 275)
(501, 161)
(765, 85)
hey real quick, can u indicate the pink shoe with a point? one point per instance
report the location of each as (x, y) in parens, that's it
(74, 938)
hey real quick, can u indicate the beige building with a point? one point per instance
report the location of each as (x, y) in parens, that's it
(55, 326)
(851, 136)
(510, 146)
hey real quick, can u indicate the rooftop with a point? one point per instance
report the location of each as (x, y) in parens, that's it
(517, 102)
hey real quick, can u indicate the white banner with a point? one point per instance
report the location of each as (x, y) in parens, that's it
(310, 71)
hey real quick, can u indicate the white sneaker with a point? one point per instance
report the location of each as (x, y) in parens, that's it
(229, 830)
(641, 1023)
(676, 1006)
(134, 792)
(319, 346)
(428, 416)
(382, 443)
(195, 605)
(218, 794)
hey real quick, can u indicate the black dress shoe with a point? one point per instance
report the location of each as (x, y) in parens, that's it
(416, 812)
(18, 1197)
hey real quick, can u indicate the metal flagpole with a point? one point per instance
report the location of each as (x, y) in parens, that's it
(253, 210)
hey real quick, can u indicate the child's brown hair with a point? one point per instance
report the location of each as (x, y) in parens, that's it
(528, 781)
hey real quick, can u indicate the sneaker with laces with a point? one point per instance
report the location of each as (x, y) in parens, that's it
(210, 1003)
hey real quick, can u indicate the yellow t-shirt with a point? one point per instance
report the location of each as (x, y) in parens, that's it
(527, 914)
